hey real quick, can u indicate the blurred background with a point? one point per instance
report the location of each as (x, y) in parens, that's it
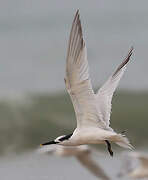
(34, 105)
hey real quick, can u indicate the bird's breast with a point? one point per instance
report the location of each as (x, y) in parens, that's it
(89, 136)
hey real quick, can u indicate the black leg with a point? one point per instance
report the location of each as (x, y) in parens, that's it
(109, 148)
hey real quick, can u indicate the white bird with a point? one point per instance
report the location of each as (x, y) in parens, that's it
(81, 153)
(92, 110)
(130, 167)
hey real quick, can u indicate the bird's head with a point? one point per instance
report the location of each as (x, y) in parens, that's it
(58, 140)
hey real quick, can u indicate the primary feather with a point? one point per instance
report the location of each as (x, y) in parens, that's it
(105, 93)
(77, 78)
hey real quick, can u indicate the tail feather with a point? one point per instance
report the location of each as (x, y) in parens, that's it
(122, 141)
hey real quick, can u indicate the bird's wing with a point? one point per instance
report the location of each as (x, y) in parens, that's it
(142, 157)
(105, 93)
(86, 160)
(77, 78)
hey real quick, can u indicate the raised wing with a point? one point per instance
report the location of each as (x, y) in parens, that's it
(77, 78)
(86, 161)
(105, 93)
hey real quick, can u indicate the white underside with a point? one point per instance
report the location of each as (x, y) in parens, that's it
(94, 135)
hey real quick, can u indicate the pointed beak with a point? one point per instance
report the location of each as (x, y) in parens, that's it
(48, 143)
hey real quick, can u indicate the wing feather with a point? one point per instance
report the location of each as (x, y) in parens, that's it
(77, 78)
(105, 93)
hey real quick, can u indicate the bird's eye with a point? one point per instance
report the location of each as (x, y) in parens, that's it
(59, 139)
(65, 137)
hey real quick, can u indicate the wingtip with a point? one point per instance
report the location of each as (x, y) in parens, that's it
(132, 48)
(131, 51)
(77, 11)
(129, 54)
(78, 21)
(77, 16)
(125, 61)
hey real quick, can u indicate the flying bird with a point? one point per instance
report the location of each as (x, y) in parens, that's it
(92, 110)
(135, 165)
(82, 153)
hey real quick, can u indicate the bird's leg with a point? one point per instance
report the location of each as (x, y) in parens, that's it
(109, 147)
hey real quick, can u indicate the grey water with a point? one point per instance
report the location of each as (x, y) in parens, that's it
(35, 167)
(34, 37)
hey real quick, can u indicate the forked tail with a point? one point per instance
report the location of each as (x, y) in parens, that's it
(122, 141)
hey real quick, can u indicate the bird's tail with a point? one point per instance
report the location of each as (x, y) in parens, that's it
(122, 141)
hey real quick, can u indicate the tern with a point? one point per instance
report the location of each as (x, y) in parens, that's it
(82, 153)
(130, 167)
(92, 110)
